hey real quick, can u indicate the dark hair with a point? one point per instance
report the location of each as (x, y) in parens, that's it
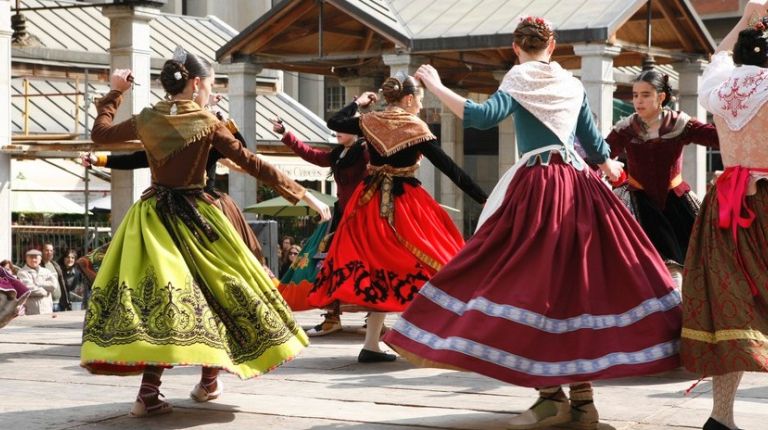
(395, 88)
(751, 47)
(659, 81)
(175, 74)
(532, 34)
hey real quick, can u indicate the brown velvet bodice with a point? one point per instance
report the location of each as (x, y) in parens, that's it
(186, 167)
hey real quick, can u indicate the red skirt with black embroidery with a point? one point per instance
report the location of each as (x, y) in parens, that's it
(373, 265)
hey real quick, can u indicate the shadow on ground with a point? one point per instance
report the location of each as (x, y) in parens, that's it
(115, 416)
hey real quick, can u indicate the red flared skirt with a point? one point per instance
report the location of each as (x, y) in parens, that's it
(377, 266)
(559, 286)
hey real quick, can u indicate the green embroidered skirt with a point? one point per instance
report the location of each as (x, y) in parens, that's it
(192, 301)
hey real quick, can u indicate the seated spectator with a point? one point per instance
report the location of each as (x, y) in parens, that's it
(74, 279)
(41, 283)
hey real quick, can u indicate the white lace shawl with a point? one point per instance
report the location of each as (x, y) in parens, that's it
(549, 92)
(733, 93)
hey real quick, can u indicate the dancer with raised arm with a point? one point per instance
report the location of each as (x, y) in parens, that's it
(725, 287)
(228, 206)
(652, 140)
(574, 291)
(177, 285)
(393, 235)
(348, 162)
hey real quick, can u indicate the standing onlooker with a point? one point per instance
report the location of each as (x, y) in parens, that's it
(41, 282)
(60, 297)
(74, 279)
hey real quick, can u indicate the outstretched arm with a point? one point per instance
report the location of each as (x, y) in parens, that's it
(703, 134)
(312, 155)
(445, 164)
(230, 147)
(103, 130)
(136, 160)
(431, 79)
(754, 9)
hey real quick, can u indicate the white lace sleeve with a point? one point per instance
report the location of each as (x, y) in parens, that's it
(717, 72)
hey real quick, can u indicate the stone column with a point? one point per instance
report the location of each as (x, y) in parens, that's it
(242, 109)
(408, 63)
(312, 92)
(354, 86)
(597, 76)
(508, 152)
(5, 129)
(452, 143)
(290, 83)
(694, 156)
(129, 48)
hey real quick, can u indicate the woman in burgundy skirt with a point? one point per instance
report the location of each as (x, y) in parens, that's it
(559, 284)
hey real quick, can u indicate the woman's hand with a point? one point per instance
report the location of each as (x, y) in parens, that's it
(317, 205)
(366, 99)
(277, 126)
(87, 159)
(120, 80)
(612, 169)
(755, 9)
(428, 76)
(214, 99)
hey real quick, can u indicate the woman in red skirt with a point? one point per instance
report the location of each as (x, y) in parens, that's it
(725, 287)
(574, 290)
(393, 235)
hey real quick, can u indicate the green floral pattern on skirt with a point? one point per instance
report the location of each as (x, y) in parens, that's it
(157, 301)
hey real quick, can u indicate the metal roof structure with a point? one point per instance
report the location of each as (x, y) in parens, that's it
(52, 105)
(72, 40)
(467, 40)
(83, 31)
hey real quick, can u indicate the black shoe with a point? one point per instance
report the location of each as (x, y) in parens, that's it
(368, 356)
(713, 424)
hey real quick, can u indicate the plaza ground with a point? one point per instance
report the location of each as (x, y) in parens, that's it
(324, 388)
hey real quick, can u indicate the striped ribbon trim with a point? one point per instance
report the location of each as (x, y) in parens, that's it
(546, 324)
(532, 367)
(724, 335)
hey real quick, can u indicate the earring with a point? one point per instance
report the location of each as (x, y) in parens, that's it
(195, 94)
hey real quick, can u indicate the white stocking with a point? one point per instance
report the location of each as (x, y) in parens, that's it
(724, 394)
(373, 331)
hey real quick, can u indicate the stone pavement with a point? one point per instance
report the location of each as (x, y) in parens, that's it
(325, 388)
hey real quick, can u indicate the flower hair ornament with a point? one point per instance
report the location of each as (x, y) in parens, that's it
(537, 21)
(180, 55)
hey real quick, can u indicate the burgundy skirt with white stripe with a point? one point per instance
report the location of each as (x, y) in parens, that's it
(560, 285)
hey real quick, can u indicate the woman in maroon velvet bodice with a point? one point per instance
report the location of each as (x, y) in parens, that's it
(652, 140)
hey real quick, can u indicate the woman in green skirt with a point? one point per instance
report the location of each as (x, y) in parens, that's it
(177, 285)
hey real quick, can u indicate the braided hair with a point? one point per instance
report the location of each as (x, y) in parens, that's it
(180, 69)
(396, 87)
(533, 34)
